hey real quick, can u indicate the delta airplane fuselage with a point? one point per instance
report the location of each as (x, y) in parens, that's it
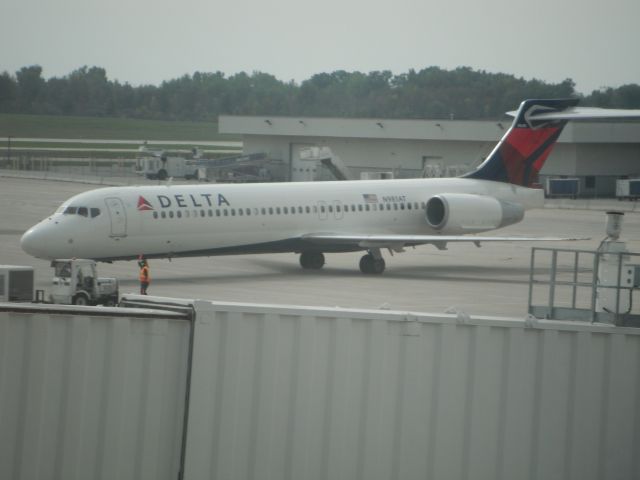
(121, 223)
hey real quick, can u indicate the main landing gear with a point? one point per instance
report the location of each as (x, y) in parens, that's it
(312, 260)
(372, 263)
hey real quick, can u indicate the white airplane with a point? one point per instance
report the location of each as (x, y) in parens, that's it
(165, 221)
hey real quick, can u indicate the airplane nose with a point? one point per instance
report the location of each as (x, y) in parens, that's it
(32, 242)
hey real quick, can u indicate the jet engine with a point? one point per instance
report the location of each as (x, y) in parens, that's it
(457, 213)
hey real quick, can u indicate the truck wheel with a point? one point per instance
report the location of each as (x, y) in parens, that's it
(111, 302)
(81, 299)
(162, 174)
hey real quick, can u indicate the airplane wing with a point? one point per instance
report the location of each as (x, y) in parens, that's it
(397, 242)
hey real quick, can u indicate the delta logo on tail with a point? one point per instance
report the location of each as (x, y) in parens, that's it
(143, 204)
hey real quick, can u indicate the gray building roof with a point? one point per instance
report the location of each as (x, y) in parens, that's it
(446, 130)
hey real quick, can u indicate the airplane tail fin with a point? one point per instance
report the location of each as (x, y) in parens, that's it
(521, 153)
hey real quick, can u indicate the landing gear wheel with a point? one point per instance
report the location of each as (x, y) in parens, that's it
(312, 260)
(371, 265)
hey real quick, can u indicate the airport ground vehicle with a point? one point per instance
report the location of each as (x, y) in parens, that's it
(76, 281)
(161, 167)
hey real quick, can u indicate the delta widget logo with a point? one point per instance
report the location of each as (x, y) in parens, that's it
(143, 204)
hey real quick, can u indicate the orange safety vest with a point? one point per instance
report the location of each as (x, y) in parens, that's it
(144, 274)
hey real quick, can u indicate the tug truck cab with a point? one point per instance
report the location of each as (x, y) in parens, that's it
(75, 281)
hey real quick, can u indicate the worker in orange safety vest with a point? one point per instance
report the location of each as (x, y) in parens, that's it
(145, 279)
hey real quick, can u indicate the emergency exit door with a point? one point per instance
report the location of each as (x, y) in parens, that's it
(118, 217)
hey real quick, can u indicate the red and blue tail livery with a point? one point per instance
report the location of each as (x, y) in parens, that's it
(520, 155)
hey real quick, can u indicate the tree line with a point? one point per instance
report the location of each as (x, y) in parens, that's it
(462, 93)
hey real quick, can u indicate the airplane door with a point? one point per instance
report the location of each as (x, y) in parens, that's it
(118, 217)
(337, 209)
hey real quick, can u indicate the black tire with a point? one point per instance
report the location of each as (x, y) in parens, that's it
(370, 265)
(312, 260)
(80, 299)
(162, 174)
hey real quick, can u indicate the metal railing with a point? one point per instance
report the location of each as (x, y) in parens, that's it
(574, 290)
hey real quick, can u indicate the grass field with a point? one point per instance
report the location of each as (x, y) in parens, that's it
(50, 126)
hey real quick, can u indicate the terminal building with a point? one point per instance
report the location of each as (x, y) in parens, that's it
(594, 154)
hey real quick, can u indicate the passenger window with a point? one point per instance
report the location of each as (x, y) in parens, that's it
(402, 206)
(180, 214)
(409, 206)
(270, 210)
(388, 206)
(285, 210)
(96, 211)
(278, 210)
(226, 213)
(299, 209)
(240, 212)
(171, 214)
(155, 214)
(322, 209)
(247, 211)
(210, 212)
(330, 208)
(307, 209)
(163, 214)
(217, 213)
(366, 207)
(263, 211)
(359, 208)
(202, 214)
(186, 213)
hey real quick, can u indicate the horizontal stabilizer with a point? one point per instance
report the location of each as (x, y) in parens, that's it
(581, 113)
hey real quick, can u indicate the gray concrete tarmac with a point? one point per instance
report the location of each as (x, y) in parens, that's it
(491, 280)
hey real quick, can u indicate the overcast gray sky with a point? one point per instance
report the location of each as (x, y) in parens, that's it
(594, 42)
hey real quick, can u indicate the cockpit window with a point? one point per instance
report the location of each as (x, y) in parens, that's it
(83, 211)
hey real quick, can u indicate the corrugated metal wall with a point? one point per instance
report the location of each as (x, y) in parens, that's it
(281, 393)
(303, 393)
(88, 396)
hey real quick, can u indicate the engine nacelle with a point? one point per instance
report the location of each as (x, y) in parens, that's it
(456, 213)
